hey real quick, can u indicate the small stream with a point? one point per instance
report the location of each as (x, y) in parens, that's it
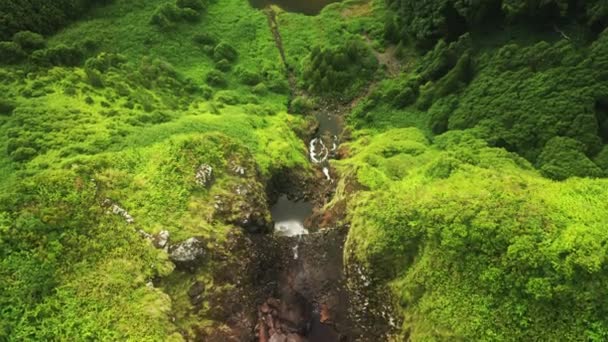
(311, 301)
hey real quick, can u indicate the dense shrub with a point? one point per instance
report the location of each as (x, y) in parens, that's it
(11, 53)
(29, 41)
(6, 107)
(516, 96)
(60, 55)
(601, 160)
(155, 117)
(223, 65)
(197, 5)
(425, 22)
(94, 77)
(563, 157)
(166, 16)
(204, 39)
(169, 14)
(339, 71)
(485, 249)
(105, 61)
(206, 92)
(260, 89)
(190, 15)
(224, 50)
(560, 94)
(302, 105)
(23, 154)
(216, 78)
(40, 16)
(248, 77)
(228, 97)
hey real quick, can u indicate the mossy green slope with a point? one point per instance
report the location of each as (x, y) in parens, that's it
(475, 244)
(459, 217)
(115, 111)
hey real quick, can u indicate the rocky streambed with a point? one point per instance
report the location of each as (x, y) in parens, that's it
(312, 299)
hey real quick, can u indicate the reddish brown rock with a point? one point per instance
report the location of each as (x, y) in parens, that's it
(325, 316)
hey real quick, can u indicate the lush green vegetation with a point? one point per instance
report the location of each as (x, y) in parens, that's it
(40, 16)
(516, 94)
(425, 22)
(472, 170)
(462, 217)
(339, 72)
(475, 243)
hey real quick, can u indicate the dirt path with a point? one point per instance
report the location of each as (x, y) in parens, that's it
(276, 34)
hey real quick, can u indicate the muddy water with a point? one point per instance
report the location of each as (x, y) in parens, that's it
(308, 7)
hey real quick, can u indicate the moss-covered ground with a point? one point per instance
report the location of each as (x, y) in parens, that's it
(472, 169)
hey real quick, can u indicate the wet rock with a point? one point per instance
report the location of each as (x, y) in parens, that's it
(254, 222)
(161, 240)
(317, 151)
(274, 303)
(371, 306)
(247, 207)
(204, 175)
(196, 289)
(263, 335)
(197, 300)
(325, 316)
(187, 254)
(282, 318)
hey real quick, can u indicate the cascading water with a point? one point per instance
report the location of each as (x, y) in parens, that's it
(289, 217)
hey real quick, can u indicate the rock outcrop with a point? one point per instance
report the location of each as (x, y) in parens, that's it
(204, 175)
(187, 254)
(246, 207)
(161, 240)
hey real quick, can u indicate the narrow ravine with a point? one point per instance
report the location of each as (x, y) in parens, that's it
(310, 301)
(308, 298)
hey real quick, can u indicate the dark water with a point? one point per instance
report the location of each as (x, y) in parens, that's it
(289, 216)
(308, 7)
(329, 123)
(320, 332)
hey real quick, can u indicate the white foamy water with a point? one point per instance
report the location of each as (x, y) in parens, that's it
(318, 151)
(289, 217)
(326, 173)
(290, 228)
